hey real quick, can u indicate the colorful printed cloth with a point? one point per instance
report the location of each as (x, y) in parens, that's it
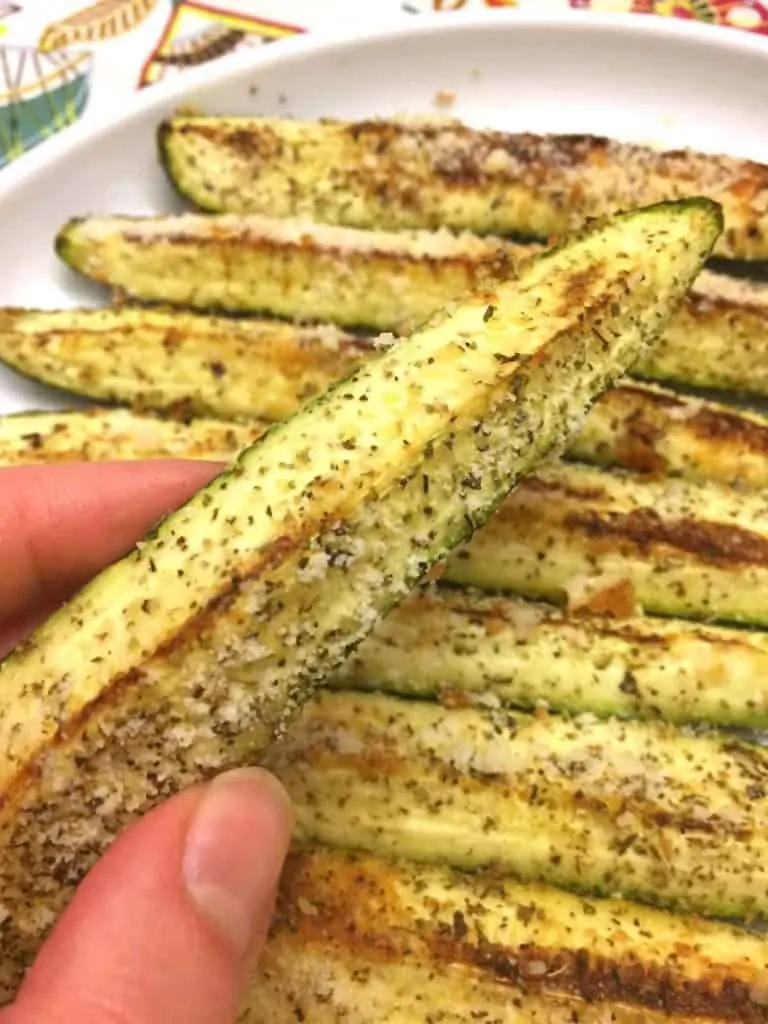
(60, 61)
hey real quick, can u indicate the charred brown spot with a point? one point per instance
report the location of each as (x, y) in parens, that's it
(714, 543)
(579, 287)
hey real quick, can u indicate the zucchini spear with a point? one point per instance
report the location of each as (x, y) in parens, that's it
(251, 369)
(573, 534)
(360, 940)
(97, 435)
(193, 651)
(424, 174)
(604, 807)
(376, 280)
(467, 648)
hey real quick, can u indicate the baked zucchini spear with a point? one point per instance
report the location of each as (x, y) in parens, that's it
(375, 280)
(393, 174)
(576, 535)
(653, 430)
(464, 648)
(597, 806)
(246, 369)
(173, 360)
(192, 652)
(297, 269)
(98, 435)
(361, 940)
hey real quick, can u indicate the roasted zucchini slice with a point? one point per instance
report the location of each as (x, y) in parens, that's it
(374, 280)
(194, 650)
(597, 806)
(654, 430)
(393, 174)
(576, 535)
(97, 435)
(173, 360)
(464, 648)
(361, 940)
(254, 264)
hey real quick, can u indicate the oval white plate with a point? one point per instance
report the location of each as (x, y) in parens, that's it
(641, 78)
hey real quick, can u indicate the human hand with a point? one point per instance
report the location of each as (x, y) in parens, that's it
(167, 924)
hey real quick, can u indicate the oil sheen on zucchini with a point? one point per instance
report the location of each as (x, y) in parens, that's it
(574, 534)
(598, 806)
(194, 650)
(98, 435)
(393, 174)
(360, 940)
(462, 648)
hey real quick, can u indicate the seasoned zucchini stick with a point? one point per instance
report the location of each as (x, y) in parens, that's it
(98, 435)
(193, 651)
(717, 340)
(654, 430)
(241, 370)
(427, 173)
(463, 648)
(374, 280)
(597, 806)
(254, 264)
(591, 538)
(161, 360)
(360, 940)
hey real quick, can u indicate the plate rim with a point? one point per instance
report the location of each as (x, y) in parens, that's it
(40, 160)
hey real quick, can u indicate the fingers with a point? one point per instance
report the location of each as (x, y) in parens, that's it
(59, 525)
(165, 927)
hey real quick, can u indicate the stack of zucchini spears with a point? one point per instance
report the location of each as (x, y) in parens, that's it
(519, 750)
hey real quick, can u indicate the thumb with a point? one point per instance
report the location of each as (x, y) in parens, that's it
(165, 926)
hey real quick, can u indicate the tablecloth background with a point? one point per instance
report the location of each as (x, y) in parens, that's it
(61, 60)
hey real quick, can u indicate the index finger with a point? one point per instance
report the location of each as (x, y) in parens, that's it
(59, 525)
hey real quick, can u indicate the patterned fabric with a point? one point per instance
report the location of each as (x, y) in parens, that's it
(60, 60)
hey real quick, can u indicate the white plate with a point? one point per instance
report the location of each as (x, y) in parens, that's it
(643, 78)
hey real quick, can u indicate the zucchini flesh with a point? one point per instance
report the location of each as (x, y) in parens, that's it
(170, 360)
(254, 264)
(573, 534)
(360, 940)
(427, 173)
(465, 648)
(193, 651)
(97, 435)
(597, 806)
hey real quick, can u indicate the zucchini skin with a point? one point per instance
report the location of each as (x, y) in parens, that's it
(574, 535)
(219, 625)
(464, 648)
(594, 806)
(361, 940)
(98, 435)
(396, 174)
